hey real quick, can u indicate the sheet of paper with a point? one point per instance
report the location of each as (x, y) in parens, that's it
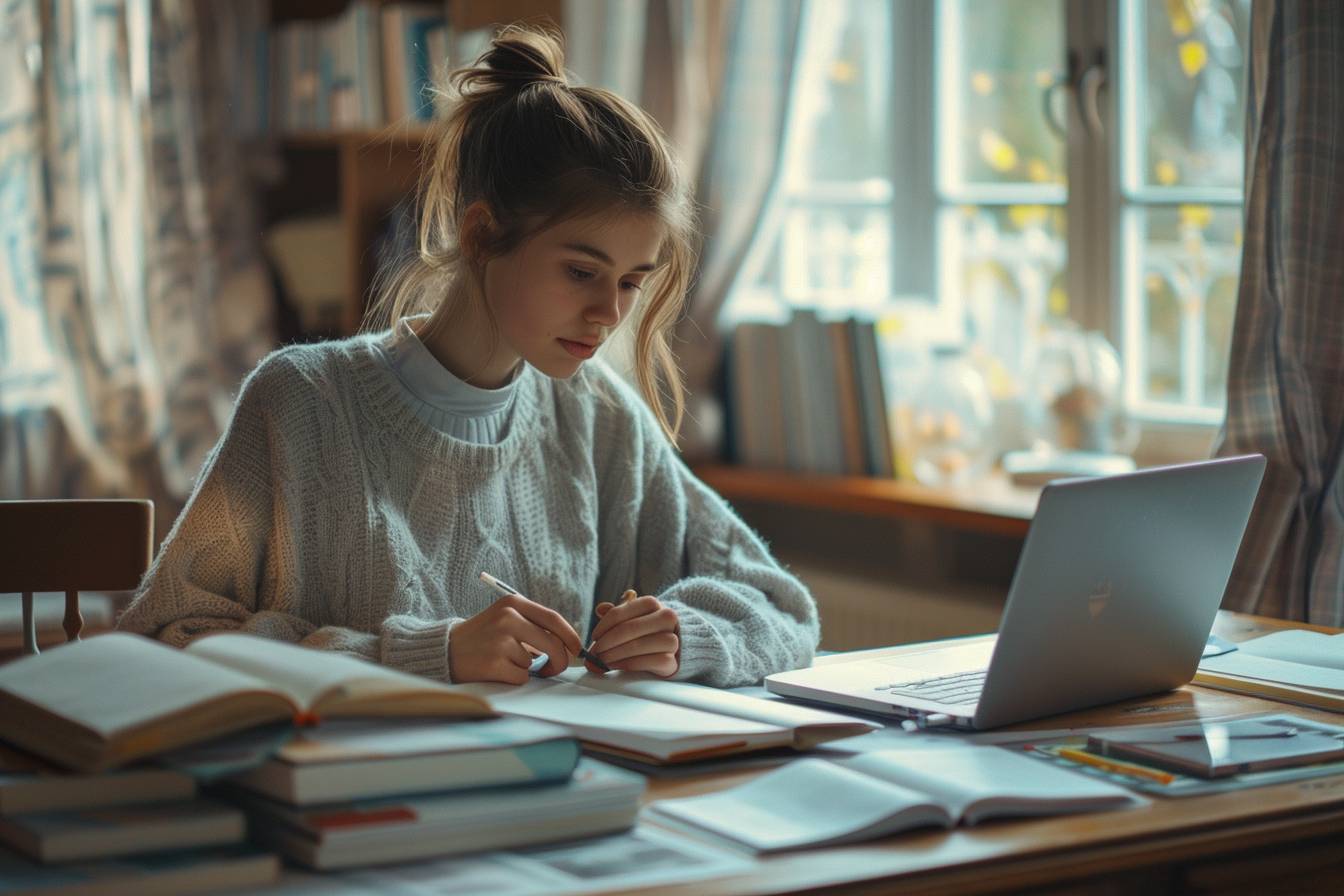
(1299, 646)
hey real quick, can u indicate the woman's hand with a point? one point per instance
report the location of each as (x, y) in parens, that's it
(498, 643)
(637, 635)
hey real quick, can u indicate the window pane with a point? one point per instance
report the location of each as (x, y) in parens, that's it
(1006, 263)
(1189, 258)
(1191, 104)
(999, 58)
(842, 114)
(836, 256)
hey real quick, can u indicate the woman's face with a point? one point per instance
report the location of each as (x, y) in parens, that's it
(561, 293)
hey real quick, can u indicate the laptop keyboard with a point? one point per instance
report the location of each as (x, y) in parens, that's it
(962, 687)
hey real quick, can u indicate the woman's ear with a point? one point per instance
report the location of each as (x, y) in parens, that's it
(477, 229)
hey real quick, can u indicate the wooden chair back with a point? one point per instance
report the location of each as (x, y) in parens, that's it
(72, 546)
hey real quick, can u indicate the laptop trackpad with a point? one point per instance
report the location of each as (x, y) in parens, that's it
(944, 660)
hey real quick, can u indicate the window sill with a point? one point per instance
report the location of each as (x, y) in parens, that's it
(993, 506)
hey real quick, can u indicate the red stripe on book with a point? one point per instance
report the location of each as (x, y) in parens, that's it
(354, 817)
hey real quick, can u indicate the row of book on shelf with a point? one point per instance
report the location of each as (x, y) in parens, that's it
(373, 64)
(808, 395)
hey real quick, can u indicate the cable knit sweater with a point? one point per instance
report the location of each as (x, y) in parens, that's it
(331, 516)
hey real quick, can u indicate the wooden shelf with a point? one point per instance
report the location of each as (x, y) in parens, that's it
(993, 506)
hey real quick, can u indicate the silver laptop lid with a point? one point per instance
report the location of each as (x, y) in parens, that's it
(1117, 587)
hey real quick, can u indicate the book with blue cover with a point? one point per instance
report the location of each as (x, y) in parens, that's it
(352, 759)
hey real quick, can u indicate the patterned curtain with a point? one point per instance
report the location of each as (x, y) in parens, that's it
(1285, 395)
(132, 295)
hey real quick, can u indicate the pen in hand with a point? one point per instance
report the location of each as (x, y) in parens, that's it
(540, 661)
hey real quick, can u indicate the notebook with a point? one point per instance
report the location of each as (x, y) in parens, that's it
(105, 701)
(651, 720)
(820, 802)
(1296, 666)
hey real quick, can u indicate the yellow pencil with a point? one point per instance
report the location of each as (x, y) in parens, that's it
(1111, 765)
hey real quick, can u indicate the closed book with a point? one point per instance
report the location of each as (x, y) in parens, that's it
(108, 700)
(1295, 666)
(27, 784)
(816, 802)
(597, 799)
(358, 759)
(237, 868)
(76, 834)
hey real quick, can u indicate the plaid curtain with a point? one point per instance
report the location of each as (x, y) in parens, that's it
(1285, 395)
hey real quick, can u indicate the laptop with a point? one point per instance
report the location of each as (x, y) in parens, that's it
(1114, 595)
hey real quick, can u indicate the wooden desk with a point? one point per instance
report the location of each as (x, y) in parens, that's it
(1285, 838)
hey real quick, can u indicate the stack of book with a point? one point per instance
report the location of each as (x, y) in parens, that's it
(383, 767)
(808, 396)
(136, 829)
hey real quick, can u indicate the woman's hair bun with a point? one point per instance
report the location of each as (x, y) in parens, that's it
(519, 56)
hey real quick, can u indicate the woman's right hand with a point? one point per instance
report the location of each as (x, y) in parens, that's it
(494, 644)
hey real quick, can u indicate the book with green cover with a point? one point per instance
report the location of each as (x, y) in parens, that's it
(352, 759)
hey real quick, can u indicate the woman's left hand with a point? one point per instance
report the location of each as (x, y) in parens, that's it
(637, 635)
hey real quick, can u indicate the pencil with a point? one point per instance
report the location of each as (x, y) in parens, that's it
(505, 588)
(1119, 768)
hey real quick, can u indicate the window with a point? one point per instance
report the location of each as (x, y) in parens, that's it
(1060, 161)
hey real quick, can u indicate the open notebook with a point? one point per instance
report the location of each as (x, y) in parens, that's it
(1295, 665)
(818, 802)
(656, 721)
(102, 702)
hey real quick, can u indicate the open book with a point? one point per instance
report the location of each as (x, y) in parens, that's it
(817, 802)
(103, 702)
(657, 721)
(1295, 665)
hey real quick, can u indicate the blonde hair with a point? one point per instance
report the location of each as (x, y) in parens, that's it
(537, 151)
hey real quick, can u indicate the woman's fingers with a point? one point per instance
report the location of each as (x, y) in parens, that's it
(663, 665)
(660, 642)
(541, 640)
(545, 618)
(663, 619)
(624, 612)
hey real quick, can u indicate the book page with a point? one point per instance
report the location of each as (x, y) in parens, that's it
(694, 696)
(978, 782)
(1298, 646)
(808, 802)
(114, 682)
(332, 683)
(631, 723)
(1263, 668)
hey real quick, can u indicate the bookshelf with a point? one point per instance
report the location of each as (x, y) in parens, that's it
(992, 506)
(361, 174)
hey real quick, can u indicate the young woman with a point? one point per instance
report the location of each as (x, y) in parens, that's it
(363, 485)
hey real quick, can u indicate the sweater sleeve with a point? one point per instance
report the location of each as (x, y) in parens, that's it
(741, 616)
(211, 572)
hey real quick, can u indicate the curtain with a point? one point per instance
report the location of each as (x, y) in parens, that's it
(717, 75)
(1285, 393)
(132, 295)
